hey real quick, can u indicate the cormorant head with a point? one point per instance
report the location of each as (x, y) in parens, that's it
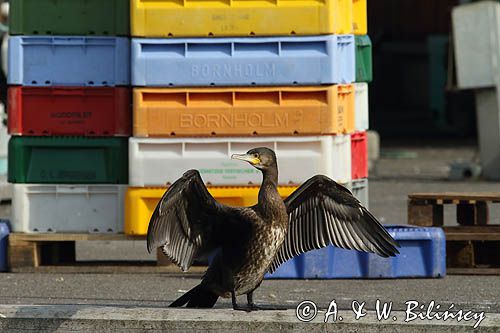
(261, 158)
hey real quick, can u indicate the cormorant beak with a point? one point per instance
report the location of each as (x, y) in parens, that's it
(246, 157)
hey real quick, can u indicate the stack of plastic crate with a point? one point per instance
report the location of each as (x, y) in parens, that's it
(359, 185)
(69, 114)
(216, 78)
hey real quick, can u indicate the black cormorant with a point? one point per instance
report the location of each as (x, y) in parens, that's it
(252, 241)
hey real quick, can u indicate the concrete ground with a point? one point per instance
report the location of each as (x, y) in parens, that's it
(136, 301)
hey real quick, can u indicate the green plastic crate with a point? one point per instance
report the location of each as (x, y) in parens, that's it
(69, 17)
(68, 160)
(364, 66)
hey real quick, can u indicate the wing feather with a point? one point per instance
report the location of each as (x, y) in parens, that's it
(187, 220)
(322, 212)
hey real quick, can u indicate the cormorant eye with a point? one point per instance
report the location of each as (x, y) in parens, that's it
(256, 155)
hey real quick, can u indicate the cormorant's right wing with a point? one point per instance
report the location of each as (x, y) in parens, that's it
(188, 221)
(322, 212)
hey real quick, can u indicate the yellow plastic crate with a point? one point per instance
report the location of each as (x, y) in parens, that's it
(199, 18)
(141, 202)
(359, 17)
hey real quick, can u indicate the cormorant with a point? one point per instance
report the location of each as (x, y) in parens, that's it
(252, 241)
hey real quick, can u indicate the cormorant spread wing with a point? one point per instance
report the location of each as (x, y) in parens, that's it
(188, 221)
(322, 212)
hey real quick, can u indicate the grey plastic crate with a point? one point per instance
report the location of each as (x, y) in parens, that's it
(359, 189)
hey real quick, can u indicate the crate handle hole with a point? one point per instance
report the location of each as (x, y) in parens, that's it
(170, 34)
(91, 82)
(252, 33)
(295, 82)
(213, 133)
(295, 132)
(47, 82)
(105, 83)
(210, 34)
(255, 133)
(33, 82)
(293, 32)
(172, 133)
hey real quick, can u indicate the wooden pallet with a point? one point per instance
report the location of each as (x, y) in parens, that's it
(473, 249)
(56, 252)
(426, 209)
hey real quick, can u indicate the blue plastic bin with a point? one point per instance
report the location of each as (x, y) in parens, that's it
(69, 61)
(422, 254)
(4, 234)
(310, 60)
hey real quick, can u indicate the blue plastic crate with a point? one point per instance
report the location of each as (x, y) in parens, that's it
(422, 254)
(310, 60)
(4, 234)
(69, 61)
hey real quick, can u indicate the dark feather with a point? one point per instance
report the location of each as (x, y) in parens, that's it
(322, 212)
(188, 221)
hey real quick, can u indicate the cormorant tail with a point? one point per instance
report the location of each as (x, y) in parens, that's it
(198, 297)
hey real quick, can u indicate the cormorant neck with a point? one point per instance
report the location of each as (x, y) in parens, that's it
(269, 188)
(270, 176)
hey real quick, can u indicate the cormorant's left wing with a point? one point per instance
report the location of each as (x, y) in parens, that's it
(188, 221)
(322, 212)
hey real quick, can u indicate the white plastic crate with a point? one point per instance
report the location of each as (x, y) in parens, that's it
(361, 115)
(155, 162)
(68, 208)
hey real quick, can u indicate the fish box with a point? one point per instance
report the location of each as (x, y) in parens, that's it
(364, 66)
(68, 208)
(177, 112)
(359, 17)
(359, 189)
(156, 162)
(359, 155)
(68, 160)
(200, 18)
(141, 202)
(422, 254)
(4, 236)
(73, 17)
(361, 112)
(69, 61)
(311, 60)
(87, 111)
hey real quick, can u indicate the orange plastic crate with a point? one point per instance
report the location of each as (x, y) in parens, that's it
(165, 112)
(345, 108)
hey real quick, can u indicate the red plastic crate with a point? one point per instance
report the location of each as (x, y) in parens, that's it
(359, 155)
(89, 111)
